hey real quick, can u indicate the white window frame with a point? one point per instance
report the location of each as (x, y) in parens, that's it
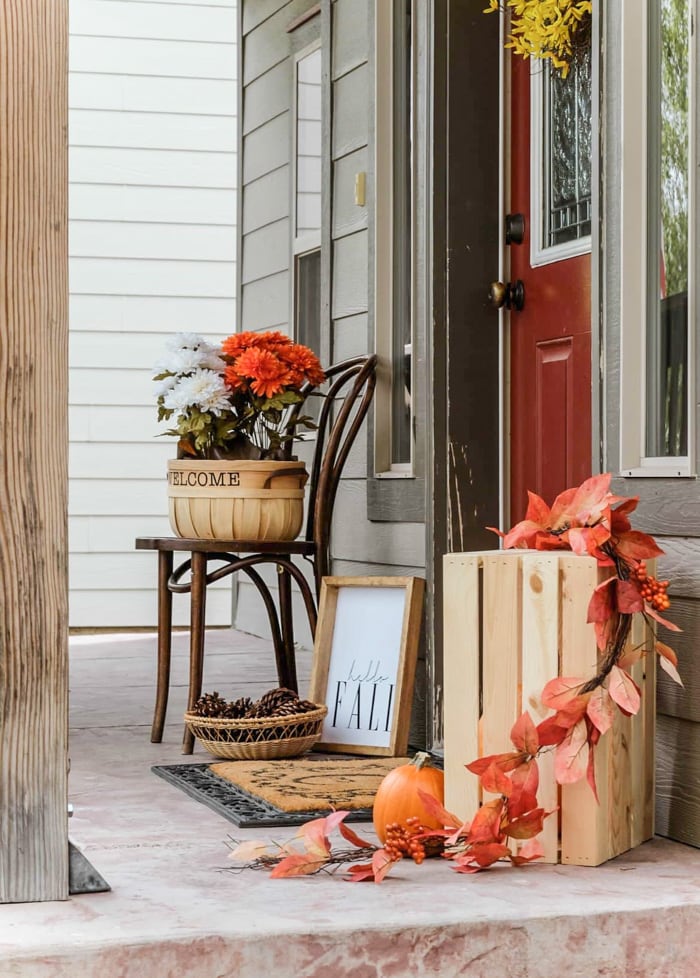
(383, 271)
(634, 462)
(311, 241)
(541, 253)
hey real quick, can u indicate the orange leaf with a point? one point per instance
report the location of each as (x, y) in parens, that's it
(532, 849)
(618, 517)
(573, 711)
(571, 759)
(486, 823)
(314, 834)
(588, 539)
(525, 781)
(299, 865)
(590, 774)
(381, 864)
(353, 838)
(537, 509)
(604, 633)
(624, 691)
(495, 781)
(558, 692)
(526, 826)
(600, 709)
(586, 504)
(360, 873)
(506, 762)
(482, 854)
(666, 652)
(524, 735)
(522, 535)
(434, 808)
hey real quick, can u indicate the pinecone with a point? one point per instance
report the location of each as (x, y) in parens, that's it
(240, 708)
(210, 705)
(271, 702)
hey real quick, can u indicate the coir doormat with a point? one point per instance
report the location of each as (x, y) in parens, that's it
(269, 793)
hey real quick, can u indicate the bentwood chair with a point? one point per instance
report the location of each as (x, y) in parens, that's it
(347, 395)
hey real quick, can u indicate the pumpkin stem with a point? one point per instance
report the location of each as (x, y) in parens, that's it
(421, 759)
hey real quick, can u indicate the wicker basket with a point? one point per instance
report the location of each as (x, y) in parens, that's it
(262, 738)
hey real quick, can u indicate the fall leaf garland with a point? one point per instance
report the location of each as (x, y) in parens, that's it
(588, 520)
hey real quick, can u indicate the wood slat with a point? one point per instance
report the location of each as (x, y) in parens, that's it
(461, 611)
(33, 378)
(540, 662)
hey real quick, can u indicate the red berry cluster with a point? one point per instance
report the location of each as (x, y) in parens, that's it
(402, 840)
(653, 591)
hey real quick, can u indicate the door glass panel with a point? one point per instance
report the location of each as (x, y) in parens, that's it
(567, 152)
(667, 327)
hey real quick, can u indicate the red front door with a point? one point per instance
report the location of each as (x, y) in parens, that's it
(550, 339)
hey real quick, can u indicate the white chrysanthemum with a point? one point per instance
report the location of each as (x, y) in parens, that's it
(185, 341)
(165, 385)
(183, 361)
(204, 389)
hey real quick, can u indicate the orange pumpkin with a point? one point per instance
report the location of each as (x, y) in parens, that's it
(397, 796)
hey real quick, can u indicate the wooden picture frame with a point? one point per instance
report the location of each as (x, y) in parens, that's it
(364, 664)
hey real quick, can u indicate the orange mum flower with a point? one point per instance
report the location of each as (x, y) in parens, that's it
(234, 345)
(268, 375)
(303, 364)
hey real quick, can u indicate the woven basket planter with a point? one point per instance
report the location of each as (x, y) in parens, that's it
(236, 500)
(259, 739)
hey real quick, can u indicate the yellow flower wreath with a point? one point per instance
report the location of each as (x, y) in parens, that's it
(544, 28)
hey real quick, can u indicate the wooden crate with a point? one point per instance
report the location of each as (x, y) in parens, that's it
(512, 621)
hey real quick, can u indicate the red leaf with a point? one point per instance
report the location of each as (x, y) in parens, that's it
(601, 606)
(381, 864)
(629, 599)
(558, 692)
(361, 873)
(550, 732)
(486, 824)
(630, 657)
(506, 762)
(634, 545)
(648, 610)
(624, 691)
(299, 865)
(604, 633)
(600, 709)
(434, 808)
(571, 759)
(590, 774)
(618, 517)
(525, 781)
(353, 838)
(495, 781)
(524, 735)
(532, 849)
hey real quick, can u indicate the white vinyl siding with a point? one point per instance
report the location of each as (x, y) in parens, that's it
(152, 133)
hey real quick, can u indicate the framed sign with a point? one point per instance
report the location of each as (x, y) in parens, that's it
(365, 661)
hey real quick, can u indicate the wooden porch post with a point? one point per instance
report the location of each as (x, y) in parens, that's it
(33, 450)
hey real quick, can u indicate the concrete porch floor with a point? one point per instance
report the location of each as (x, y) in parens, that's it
(173, 914)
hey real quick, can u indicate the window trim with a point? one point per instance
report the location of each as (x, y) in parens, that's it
(634, 264)
(311, 241)
(384, 270)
